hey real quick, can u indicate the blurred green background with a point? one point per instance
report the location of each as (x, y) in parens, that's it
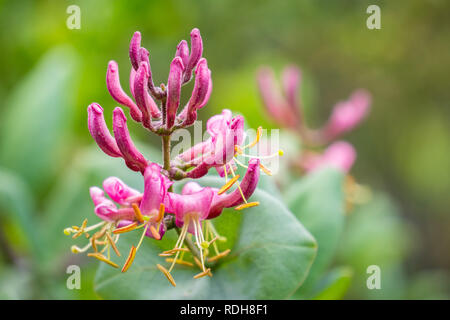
(50, 74)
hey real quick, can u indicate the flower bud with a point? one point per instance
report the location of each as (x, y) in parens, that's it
(116, 91)
(99, 131)
(201, 90)
(118, 191)
(133, 158)
(144, 101)
(183, 52)
(196, 54)
(174, 90)
(135, 45)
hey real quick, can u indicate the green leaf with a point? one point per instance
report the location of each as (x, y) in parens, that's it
(271, 256)
(37, 117)
(17, 201)
(317, 202)
(335, 284)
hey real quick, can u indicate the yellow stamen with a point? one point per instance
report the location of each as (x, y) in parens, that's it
(219, 256)
(213, 240)
(166, 254)
(94, 245)
(265, 170)
(258, 137)
(225, 170)
(238, 149)
(239, 186)
(172, 251)
(179, 261)
(155, 233)
(113, 244)
(127, 228)
(101, 257)
(167, 274)
(202, 274)
(247, 205)
(81, 230)
(161, 212)
(228, 185)
(130, 259)
(137, 213)
(198, 263)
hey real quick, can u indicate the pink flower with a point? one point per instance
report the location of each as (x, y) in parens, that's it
(340, 155)
(348, 114)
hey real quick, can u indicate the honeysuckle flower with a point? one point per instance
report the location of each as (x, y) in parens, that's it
(348, 114)
(158, 208)
(339, 154)
(285, 108)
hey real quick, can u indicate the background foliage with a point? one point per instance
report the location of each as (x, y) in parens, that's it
(50, 74)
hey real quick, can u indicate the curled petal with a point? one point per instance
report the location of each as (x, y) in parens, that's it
(135, 45)
(116, 91)
(191, 187)
(97, 195)
(195, 205)
(133, 158)
(247, 185)
(109, 213)
(174, 89)
(219, 122)
(156, 92)
(118, 191)
(99, 131)
(196, 53)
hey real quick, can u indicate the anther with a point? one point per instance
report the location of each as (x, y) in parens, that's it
(137, 213)
(219, 256)
(265, 170)
(179, 261)
(228, 185)
(167, 274)
(247, 205)
(155, 233)
(127, 228)
(202, 274)
(130, 259)
(113, 244)
(101, 257)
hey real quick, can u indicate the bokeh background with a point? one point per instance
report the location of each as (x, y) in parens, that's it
(49, 75)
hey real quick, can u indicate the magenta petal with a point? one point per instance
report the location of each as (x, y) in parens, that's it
(174, 90)
(118, 191)
(154, 190)
(116, 91)
(202, 81)
(133, 158)
(291, 83)
(196, 53)
(196, 204)
(99, 131)
(144, 101)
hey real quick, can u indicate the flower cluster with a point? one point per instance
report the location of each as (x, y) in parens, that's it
(158, 209)
(286, 109)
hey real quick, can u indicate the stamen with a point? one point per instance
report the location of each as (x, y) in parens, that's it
(81, 230)
(198, 263)
(101, 257)
(127, 228)
(265, 170)
(213, 240)
(258, 137)
(113, 245)
(238, 149)
(94, 245)
(225, 173)
(247, 205)
(76, 249)
(155, 233)
(202, 274)
(219, 256)
(138, 213)
(130, 259)
(167, 274)
(172, 251)
(279, 153)
(198, 244)
(239, 186)
(161, 212)
(179, 261)
(228, 185)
